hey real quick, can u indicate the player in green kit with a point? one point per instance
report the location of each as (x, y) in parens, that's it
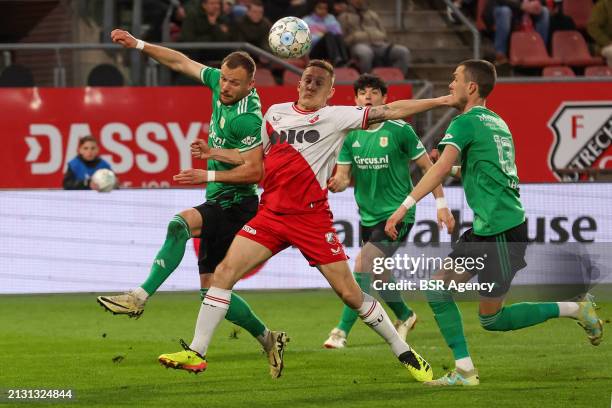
(235, 166)
(379, 159)
(488, 172)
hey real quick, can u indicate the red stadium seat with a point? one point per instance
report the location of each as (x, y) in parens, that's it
(570, 47)
(389, 73)
(480, 7)
(263, 77)
(527, 50)
(560, 71)
(290, 78)
(346, 74)
(597, 71)
(579, 11)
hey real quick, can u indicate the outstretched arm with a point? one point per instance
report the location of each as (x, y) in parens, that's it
(176, 61)
(445, 217)
(406, 107)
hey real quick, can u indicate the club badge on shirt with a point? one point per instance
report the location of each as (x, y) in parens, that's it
(383, 141)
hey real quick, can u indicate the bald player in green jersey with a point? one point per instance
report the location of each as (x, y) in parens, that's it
(235, 166)
(484, 143)
(379, 159)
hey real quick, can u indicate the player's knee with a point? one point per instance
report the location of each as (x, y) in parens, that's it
(178, 228)
(224, 275)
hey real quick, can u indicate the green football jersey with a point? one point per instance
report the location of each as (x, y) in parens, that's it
(236, 126)
(379, 160)
(488, 170)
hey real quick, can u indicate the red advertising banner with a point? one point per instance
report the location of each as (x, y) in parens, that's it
(556, 125)
(144, 133)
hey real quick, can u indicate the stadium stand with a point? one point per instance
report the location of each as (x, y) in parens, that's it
(598, 71)
(389, 73)
(346, 74)
(16, 76)
(579, 11)
(571, 48)
(527, 49)
(559, 71)
(263, 77)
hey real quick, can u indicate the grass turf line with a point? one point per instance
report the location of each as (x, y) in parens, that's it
(68, 341)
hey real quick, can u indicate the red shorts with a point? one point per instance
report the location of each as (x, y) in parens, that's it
(313, 234)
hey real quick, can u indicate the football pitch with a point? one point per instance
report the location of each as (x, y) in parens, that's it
(69, 342)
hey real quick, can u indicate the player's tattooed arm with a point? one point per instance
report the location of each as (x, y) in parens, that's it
(406, 107)
(175, 60)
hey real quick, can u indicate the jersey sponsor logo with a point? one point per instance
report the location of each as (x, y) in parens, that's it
(313, 120)
(336, 250)
(583, 137)
(276, 118)
(372, 163)
(249, 230)
(249, 140)
(383, 141)
(356, 143)
(292, 136)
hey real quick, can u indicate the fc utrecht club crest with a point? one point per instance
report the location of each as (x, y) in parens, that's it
(583, 135)
(330, 237)
(383, 141)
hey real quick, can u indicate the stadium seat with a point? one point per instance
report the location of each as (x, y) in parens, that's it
(571, 49)
(263, 77)
(579, 11)
(480, 7)
(597, 71)
(560, 71)
(105, 75)
(346, 74)
(290, 78)
(16, 76)
(527, 49)
(389, 73)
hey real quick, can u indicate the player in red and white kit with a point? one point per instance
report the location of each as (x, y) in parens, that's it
(301, 144)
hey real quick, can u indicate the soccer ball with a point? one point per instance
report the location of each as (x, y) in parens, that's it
(105, 179)
(290, 38)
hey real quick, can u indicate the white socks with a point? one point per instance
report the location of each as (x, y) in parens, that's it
(465, 364)
(212, 312)
(373, 314)
(568, 309)
(141, 294)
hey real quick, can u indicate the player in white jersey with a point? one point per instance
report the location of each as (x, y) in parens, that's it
(301, 144)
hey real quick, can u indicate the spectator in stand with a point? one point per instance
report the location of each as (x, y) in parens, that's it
(600, 28)
(502, 15)
(327, 42)
(81, 168)
(206, 24)
(467, 7)
(253, 27)
(276, 9)
(367, 39)
(154, 13)
(339, 7)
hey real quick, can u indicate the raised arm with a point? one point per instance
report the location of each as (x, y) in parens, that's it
(176, 61)
(443, 213)
(248, 172)
(406, 107)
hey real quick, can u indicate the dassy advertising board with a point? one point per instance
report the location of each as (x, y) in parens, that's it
(557, 125)
(84, 241)
(144, 133)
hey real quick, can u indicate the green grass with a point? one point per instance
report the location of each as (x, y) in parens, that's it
(68, 341)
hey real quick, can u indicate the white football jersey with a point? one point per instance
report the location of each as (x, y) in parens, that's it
(300, 152)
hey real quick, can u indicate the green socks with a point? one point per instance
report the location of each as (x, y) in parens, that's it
(519, 315)
(170, 255)
(449, 321)
(392, 298)
(241, 314)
